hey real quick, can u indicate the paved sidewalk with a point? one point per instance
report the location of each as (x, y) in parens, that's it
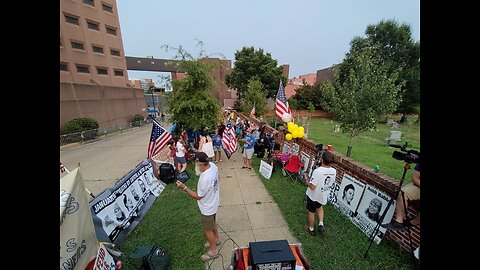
(247, 212)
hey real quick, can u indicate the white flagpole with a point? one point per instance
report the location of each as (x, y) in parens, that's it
(65, 168)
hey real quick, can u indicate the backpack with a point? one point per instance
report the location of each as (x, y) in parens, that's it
(167, 173)
(153, 257)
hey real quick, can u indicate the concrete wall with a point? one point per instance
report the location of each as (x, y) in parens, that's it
(109, 105)
(361, 172)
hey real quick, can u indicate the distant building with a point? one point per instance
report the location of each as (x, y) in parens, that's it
(325, 74)
(297, 82)
(93, 71)
(142, 83)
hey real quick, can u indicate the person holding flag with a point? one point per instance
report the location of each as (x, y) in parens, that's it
(159, 138)
(229, 140)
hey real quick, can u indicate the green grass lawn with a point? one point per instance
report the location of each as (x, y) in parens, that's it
(342, 245)
(173, 223)
(368, 147)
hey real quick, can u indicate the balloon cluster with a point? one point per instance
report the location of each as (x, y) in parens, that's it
(294, 129)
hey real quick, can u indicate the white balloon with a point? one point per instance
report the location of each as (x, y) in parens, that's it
(286, 117)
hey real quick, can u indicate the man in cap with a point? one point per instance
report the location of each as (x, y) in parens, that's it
(208, 199)
(248, 149)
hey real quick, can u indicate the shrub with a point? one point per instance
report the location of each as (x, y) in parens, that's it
(76, 125)
(137, 120)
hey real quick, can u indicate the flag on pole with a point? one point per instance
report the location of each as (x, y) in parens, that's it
(158, 139)
(281, 103)
(252, 113)
(229, 140)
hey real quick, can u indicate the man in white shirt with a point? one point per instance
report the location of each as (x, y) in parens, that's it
(208, 199)
(318, 191)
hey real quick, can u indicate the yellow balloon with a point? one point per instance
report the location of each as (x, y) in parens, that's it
(301, 129)
(289, 124)
(295, 134)
(288, 137)
(301, 134)
(295, 126)
(290, 128)
(232, 115)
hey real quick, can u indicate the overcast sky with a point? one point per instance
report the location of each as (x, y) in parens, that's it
(306, 34)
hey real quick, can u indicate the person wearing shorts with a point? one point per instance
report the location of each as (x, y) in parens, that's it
(180, 155)
(248, 149)
(208, 199)
(412, 193)
(217, 146)
(318, 190)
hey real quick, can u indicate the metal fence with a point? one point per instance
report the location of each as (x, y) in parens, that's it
(88, 135)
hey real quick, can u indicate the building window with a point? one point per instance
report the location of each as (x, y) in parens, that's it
(114, 52)
(118, 72)
(107, 8)
(89, 2)
(111, 30)
(82, 69)
(97, 49)
(63, 66)
(77, 45)
(93, 25)
(102, 71)
(71, 19)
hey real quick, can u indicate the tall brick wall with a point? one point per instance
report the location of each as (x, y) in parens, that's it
(361, 172)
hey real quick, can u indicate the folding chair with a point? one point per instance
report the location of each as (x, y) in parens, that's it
(292, 168)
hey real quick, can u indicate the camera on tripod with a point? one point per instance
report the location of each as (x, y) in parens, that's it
(409, 156)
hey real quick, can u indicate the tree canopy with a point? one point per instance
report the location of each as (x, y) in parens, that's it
(366, 92)
(191, 103)
(254, 96)
(255, 64)
(392, 47)
(306, 95)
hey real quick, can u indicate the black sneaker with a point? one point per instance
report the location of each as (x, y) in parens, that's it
(310, 232)
(321, 228)
(394, 225)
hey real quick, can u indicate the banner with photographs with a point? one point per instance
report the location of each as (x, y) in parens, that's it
(350, 191)
(295, 149)
(104, 260)
(78, 244)
(370, 210)
(286, 147)
(118, 210)
(305, 160)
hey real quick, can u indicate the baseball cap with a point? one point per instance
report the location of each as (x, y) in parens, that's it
(201, 157)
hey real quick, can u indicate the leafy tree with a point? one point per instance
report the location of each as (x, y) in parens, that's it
(393, 47)
(254, 96)
(310, 107)
(293, 103)
(191, 104)
(307, 94)
(367, 92)
(250, 64)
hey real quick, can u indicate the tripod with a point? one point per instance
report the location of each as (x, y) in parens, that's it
(406, 222)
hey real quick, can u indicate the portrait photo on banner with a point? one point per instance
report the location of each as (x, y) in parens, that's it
(372, 205)
(349, 195)
(305, 160)
(295, 149)
(286, 147)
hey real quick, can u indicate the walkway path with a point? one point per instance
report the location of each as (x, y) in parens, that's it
(247, 212)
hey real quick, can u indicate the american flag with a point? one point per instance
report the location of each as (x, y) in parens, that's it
(158, 140)
(229, 140)
(281, 103)
(252, 113)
